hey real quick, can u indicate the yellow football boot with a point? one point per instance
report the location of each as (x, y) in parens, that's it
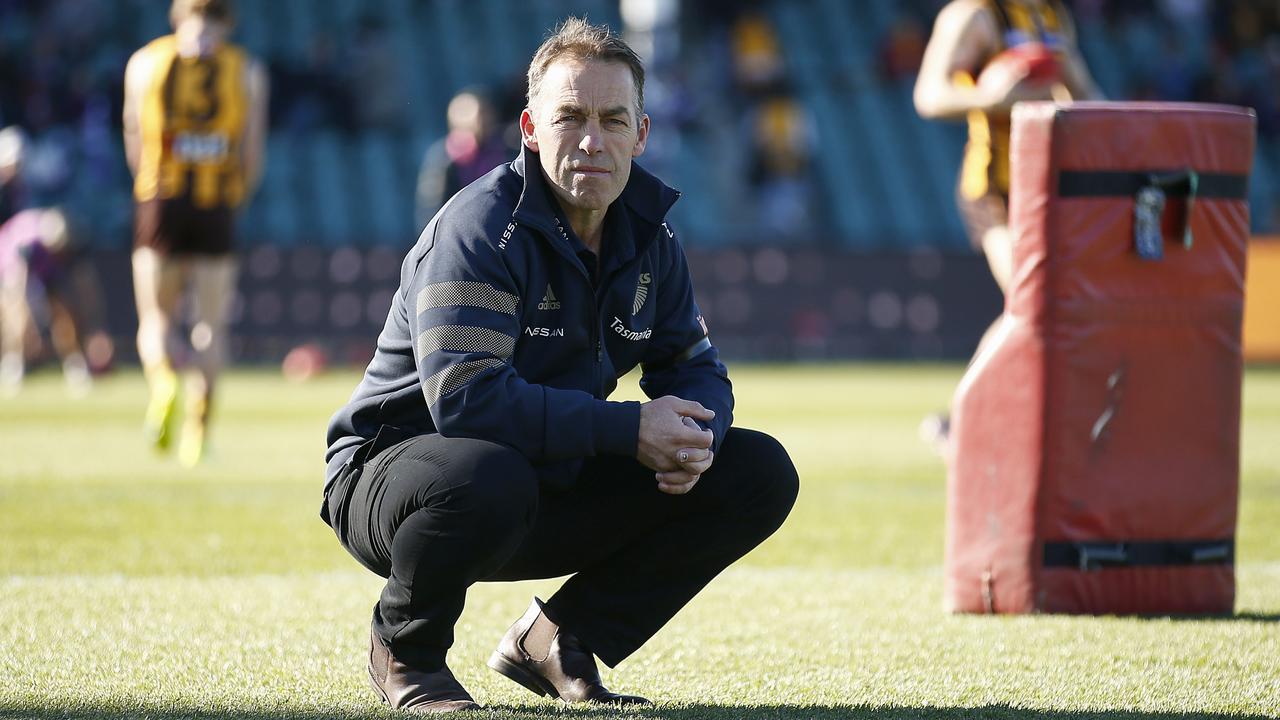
(191, 447)
(158, 424)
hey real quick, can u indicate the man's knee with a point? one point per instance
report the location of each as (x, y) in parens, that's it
(760, 474)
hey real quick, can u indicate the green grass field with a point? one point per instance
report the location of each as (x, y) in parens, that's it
(132, 588)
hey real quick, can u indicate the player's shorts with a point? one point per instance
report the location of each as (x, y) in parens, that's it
(982, 213)
(176, 227)
(51, 269)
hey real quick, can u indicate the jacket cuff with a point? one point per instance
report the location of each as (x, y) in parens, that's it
(617, 427)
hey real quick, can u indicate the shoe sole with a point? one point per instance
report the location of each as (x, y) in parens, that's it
(502, 665)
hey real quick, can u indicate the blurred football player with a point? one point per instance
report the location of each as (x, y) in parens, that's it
(194, 128)
(473, 147)
(982, 58)
(42, 275)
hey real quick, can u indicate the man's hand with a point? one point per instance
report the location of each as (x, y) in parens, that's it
(668, 433)
(692, 463)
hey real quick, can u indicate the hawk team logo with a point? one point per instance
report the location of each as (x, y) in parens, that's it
(642, 293)
(549, 301)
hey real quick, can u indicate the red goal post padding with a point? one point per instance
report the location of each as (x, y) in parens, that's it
(1096, 435)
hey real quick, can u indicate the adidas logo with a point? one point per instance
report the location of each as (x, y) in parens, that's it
(549, 301)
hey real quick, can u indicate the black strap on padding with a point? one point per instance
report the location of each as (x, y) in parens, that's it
(1095, 555)
(1110, 183)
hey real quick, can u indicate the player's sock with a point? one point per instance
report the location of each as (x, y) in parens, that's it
(191, 448)
(76, 373)
(11, 372)
(158, 424)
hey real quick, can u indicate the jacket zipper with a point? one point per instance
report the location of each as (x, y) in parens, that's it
(596, 331)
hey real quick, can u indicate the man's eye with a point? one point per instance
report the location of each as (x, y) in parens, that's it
(616, 122)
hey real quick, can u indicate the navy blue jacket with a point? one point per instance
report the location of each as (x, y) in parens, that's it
(500, 331)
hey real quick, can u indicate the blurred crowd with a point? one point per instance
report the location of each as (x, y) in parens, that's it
(61, 66)
(731, 95)
(61, 80)
(773, 179)
(348, 81)
(1224, 51)
(1201, 50)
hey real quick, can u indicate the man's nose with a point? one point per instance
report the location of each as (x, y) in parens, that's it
(592, 137)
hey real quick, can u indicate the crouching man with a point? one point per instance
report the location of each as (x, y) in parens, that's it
(481, 446)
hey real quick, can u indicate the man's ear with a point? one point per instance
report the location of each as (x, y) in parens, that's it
(527, 128)
(642, 136)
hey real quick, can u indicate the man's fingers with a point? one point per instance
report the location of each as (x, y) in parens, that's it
(664, 464)
(676, 483)
(694, 461)
(696, 468)
(675, 477)
(705, 437)
(694, 455)
(695, 410)
(690, 438)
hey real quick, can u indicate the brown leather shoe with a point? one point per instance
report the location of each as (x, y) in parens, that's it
(415, 691)
(536, 653)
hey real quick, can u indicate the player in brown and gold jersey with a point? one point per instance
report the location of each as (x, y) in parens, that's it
(982, 58)
(194, 130)
(967, 37)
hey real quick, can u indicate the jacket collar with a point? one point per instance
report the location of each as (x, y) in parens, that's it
(646, 199)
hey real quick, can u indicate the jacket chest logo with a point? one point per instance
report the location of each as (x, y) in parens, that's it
(549, 301)
(642, 293)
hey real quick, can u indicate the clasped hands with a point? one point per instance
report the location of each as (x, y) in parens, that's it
(672, 444)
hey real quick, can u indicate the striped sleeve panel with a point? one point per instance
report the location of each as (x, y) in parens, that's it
(455, 293)
(465, 339)
(454, 376)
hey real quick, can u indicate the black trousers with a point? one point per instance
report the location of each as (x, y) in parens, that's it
(434, 515)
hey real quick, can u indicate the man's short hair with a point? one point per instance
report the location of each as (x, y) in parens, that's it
(577, 39)
(217, 10)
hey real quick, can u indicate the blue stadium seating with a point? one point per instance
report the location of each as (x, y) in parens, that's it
(884, 178)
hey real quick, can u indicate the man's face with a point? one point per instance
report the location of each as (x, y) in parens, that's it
(583, 125)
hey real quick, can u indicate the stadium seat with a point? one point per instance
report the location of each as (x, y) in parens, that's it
(278, 197)
(390, 213)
